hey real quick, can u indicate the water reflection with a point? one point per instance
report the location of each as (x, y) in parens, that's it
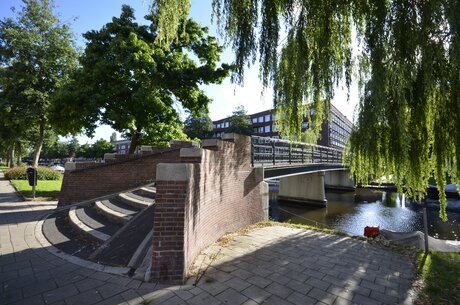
(352, 211)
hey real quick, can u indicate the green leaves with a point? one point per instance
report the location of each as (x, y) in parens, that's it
(36, 55)
(128, 82)
(408, 125)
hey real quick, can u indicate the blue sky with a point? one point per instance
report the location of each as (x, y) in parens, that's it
(85, 15)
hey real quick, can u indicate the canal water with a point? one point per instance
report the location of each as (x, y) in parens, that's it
(352, 211)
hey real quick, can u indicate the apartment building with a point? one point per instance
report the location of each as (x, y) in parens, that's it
(333, 134)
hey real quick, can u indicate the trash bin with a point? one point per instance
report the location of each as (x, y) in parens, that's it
(32, 176)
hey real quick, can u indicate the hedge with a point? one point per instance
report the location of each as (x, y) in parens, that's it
(43, 173)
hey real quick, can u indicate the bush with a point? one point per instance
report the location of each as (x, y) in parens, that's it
(43, 173)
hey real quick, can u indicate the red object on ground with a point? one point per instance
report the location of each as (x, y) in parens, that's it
(371, 231)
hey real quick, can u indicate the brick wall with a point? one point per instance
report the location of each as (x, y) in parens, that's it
(199, 202)
(91, 180)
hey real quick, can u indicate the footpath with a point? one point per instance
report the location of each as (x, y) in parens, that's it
(270, 265)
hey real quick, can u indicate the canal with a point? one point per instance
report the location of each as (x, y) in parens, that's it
(352, 211)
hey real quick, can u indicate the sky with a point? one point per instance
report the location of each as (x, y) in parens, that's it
(85, 15)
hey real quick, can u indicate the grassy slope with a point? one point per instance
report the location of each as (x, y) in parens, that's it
(45, 190)
(441, 274)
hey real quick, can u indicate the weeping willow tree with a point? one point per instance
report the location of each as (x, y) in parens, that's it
(408, 123)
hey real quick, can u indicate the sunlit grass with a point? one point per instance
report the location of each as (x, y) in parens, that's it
(441, 274)
(45, 189)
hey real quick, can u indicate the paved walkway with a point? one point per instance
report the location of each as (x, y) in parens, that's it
(271, 265)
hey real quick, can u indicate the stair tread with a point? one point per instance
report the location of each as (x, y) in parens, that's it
(135, 196)
(89, 216)
(63, 236)
(120, 207)
(121, 248)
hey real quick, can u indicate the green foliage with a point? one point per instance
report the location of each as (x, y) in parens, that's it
(440, 273)
(239, 122)
(131, 84)
(45, 190)
(408, 125)
(96, 150)
(43, 173)
(198, 127)
(36, 55)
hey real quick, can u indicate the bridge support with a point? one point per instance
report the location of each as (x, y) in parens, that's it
(339, 180)
(307, 188)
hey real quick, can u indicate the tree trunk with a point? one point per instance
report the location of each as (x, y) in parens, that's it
(18, 153)
(39, 145)
(11, 157)
(134, 141)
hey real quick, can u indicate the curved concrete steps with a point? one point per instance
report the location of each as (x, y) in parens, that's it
(114, 211)
(135, 201)
(112, 232)
(77, 223)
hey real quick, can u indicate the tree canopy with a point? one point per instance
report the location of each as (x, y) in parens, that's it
(131, 84)
(36, 56)
(198, 127)
(408, 64)
(239, 122)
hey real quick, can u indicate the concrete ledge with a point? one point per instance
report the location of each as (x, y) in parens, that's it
(305, 201)
(183, 143)
(212, 143)
(259, 174)
(192, 152)
(110, 156)
(70, 166)
(229, 137)
(174, 171)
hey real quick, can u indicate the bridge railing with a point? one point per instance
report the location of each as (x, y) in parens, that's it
(269, 151)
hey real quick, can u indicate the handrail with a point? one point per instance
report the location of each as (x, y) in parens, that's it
(269, 151)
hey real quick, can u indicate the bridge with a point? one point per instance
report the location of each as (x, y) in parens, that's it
(187, 195)
(303, 170)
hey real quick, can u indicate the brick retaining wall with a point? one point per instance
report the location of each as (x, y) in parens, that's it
(91, 180)
(196, 203)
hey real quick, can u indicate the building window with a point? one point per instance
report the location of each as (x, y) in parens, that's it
(260, 119)
(267, 128)
(267, 118)
(261, 129)
(226, 124)
(254, 120)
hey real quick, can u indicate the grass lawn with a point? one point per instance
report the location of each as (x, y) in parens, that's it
(45, 189)
(441, 273)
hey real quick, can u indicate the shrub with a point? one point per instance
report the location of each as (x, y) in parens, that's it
(43, 173)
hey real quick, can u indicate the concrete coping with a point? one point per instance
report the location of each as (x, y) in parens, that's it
(146, 148)
(212, 143)
(109, 156)
(178, 142)
(229, 136)
(174, 171)
(189, 152)
(70, 166)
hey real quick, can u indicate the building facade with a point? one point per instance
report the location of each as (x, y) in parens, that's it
(333, 134)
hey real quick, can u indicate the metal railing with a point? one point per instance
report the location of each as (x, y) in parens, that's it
(269, 151)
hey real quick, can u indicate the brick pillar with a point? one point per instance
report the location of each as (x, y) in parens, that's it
(172, 183)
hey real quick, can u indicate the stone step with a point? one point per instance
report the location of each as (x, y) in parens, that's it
(135, 201)
(58, 231)
(146, 191)
(114, 210)
(121, 249)
(88, 221)
(79, 225)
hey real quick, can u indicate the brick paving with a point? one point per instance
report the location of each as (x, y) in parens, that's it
(271, 265)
